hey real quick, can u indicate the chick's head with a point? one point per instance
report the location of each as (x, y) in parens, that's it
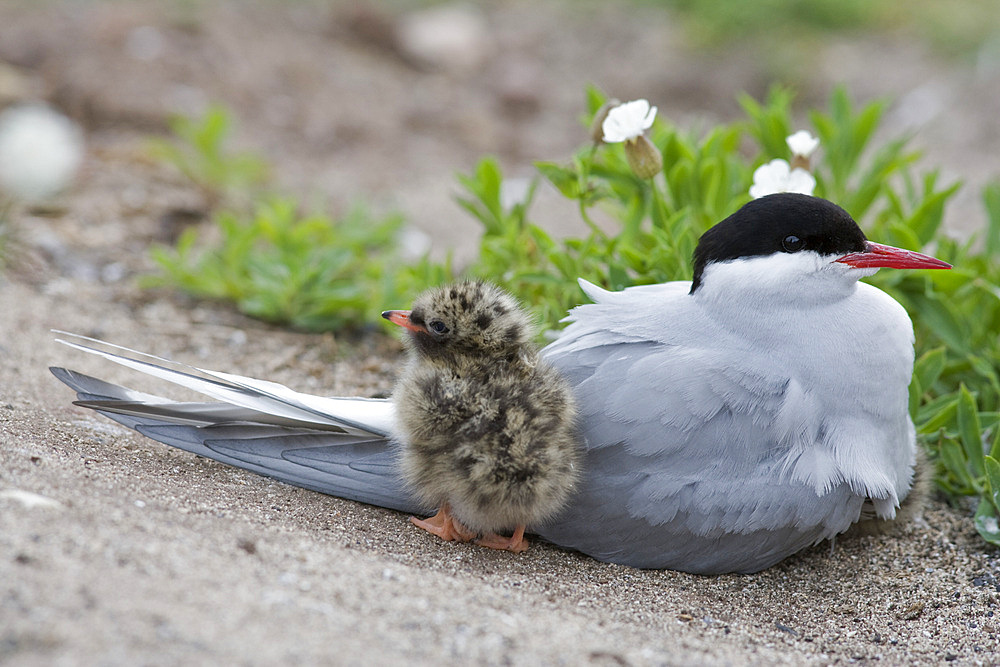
(465, 318)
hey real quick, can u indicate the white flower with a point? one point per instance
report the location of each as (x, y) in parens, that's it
(40, 151)
(628, 121)
(777, 176)
(802, 143)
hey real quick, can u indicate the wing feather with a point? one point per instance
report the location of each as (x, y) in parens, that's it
(687, 447)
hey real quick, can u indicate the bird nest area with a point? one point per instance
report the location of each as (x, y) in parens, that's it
(116, 549)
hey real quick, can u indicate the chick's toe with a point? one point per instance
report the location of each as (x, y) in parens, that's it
(516, 542)
(445, 526)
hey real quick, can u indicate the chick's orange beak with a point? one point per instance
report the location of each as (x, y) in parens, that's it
(402, 318)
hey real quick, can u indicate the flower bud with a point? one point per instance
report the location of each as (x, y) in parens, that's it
(800, 162)
(643, 157)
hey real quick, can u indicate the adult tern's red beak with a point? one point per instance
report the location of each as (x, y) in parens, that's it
(877, 255)
(402, 318)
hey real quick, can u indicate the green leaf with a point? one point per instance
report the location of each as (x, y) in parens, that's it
(943, 319)
(926, 219)
(993, 480)
(915, 392)
(970, 431)
(929, 366)
(595, 99)
(770, 122)
(941, 409)
(564, 178)
(955, 462)
(991, 201)
(987, 520)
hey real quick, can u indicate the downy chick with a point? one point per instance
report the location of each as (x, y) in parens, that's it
(488, 428)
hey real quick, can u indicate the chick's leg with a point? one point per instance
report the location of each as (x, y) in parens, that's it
(515, 542)
(445, 526)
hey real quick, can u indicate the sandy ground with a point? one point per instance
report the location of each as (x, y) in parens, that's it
(148, 555)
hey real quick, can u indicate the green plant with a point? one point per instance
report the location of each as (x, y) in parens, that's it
(714, 21)
(309, 271)
(778, 24)
(955, 395)
(198, 151)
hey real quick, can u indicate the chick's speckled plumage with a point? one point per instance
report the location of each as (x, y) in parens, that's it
(488, 427)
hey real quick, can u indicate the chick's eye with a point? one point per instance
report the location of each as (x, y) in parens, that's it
(792, 243)
(438, 327)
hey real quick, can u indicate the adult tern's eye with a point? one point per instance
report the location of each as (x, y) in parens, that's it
(792, 243)
(438, 327)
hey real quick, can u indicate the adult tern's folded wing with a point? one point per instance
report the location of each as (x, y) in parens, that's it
(697, 472)
(698, 453)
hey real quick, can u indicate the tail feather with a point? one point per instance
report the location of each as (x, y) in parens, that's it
(198, 414)
(371, 416)
(91, 389)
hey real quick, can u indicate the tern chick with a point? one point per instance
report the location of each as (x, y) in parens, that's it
(488, 429)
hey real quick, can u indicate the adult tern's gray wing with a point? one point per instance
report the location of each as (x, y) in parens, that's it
(309, 452)
(697, 459)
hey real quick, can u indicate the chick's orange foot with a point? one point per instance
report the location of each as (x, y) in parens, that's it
(445, 526)
(448, 528)
(516, 542)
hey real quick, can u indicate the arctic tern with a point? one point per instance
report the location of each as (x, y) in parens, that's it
(729, 421)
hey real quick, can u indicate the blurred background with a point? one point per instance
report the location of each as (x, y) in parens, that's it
(384, 102)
